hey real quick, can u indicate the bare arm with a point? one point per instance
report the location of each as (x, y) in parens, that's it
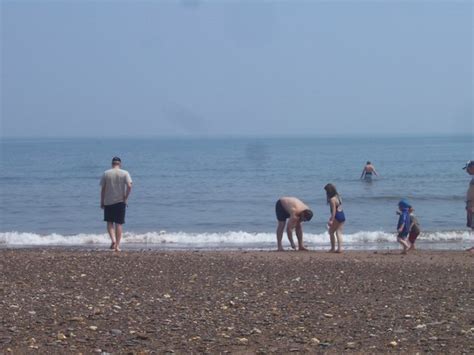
(399, 230)
(332, 203)
(127, 192)
(292, 223)
(102, 196)
(363, 173)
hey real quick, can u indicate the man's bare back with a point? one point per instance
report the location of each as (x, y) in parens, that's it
(293, 205)
(291, 212)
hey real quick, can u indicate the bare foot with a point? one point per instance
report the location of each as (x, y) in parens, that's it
(280, 249)
(292, 243)
(117, 249)
(338, 251)
(302, 249)
(331, 251)
(112, 246)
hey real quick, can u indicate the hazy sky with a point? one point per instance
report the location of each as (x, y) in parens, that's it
(131, 68)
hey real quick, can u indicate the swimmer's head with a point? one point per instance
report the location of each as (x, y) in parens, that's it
(368, 163)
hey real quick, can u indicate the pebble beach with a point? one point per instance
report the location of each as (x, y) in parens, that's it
(58, 300)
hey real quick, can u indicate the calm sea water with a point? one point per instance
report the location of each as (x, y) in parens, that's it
(221, 192)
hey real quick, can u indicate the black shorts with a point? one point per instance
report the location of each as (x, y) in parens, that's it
(281, 213)
(115, 213)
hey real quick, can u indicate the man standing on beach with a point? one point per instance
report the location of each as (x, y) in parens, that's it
(470, 198)
(116, 187)
(296, 212)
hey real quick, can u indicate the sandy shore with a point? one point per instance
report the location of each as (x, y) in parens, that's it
(79, 301)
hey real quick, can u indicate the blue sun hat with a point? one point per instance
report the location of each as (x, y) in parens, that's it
(404, 204)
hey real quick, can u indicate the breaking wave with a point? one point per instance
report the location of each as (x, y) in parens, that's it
(226, 240)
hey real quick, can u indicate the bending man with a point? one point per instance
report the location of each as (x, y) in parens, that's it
(296, 212)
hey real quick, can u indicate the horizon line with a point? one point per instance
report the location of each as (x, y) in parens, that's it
(242, 136)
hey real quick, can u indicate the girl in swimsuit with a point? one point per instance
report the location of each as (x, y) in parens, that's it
(337, 219)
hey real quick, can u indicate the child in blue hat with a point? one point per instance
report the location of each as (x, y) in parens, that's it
(403, 225)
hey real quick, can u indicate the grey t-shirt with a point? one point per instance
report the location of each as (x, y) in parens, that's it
(115, 182)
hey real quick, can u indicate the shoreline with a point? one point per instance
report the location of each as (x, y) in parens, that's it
(59, 300)
(177, 247)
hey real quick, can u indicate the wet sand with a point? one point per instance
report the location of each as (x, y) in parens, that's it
(80, 301)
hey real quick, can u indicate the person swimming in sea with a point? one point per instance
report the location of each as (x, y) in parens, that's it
(367, 172)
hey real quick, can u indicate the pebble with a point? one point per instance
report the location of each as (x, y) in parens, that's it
(351, 345)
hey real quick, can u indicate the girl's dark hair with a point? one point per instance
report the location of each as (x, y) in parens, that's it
(330, 191)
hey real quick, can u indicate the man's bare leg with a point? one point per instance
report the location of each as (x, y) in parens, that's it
(279, 233)
(118, 235)
(111, 231)
(290, 239)
(299, 235)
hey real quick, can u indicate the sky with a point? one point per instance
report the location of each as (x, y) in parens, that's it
(236, 68)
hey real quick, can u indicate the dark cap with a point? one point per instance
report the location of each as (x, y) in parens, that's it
(116, 160)
(469, 164)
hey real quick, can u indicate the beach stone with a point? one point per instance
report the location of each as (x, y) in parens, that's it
(5, 340)
(351, 345)
(116, 331)
(242, 341)
(393, 344)
(76, 319)
(315, 341)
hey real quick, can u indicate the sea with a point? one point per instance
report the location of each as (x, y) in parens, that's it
(220, 193)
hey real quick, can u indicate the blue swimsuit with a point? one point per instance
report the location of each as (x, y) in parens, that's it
(340, 217)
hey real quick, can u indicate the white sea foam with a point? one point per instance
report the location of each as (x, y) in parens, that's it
(230, 239)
